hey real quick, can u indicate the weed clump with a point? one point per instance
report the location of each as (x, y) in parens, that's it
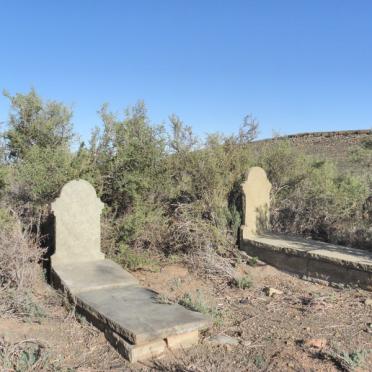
(244, 282)
(28, 355)
(198, 303)
(20, 271)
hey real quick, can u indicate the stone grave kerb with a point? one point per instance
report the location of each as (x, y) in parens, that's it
(77, 213)
(256, 202)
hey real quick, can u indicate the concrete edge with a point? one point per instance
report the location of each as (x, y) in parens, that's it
(311, 254)
(308, 266)
(143, 351)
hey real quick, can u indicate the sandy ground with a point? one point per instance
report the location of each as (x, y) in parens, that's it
(309, 327)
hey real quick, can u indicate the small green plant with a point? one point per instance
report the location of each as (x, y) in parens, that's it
(28, 358)
(175, 283)
(253, 261)
(198, 303)
(81, 319)
(32, 308)
(27, 355)
(163, 299)
(174, 259)
(5, 218)
(355, 358)
(244, 282)
(259, 361)
(133, 260)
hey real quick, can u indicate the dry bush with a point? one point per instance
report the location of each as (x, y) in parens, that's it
(20, 271)
(204, 244)
(212, 265)
(26, 355)
(312, 197)
(189, 232)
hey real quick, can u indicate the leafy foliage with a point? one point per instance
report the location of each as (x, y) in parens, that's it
(171, 191)
(312, 197)
(34, 123)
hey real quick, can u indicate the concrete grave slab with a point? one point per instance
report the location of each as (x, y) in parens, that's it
(136, 314)
(313, 259)
(341, 255)
(135, 353)
(308, 258)
(90, 275)
(132, 318)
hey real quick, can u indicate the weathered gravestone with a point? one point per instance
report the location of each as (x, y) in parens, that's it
(311, 259)
(78, 263)
(256, 202)
(77, 214)
(132, 318)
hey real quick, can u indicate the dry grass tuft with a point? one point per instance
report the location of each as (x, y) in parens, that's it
(25, 355)
(20, 270)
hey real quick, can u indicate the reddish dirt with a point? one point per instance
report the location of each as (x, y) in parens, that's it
(275, 333)
(279, 333)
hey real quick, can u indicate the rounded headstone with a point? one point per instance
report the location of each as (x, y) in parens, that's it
(256, 201)
(77, 214)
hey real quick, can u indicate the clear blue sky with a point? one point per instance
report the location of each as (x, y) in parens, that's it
(295, 65)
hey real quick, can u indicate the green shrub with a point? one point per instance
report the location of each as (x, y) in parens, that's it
(198, 303)
(37, 152)
(40, 175)
(27, 355)
(145, 227)
(312, 197)
(244, 282)
(33, 122)
(253, 261)
(130, 157)
(172, 191)
(354, 359)
(134, 260)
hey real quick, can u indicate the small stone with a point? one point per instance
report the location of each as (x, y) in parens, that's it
(318, 343)
(337, 285)
(269, 291)
(368, 302)
(223, 340)
(227, 347)
(246, 343)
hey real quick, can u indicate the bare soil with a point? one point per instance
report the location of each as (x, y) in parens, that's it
(309, 327)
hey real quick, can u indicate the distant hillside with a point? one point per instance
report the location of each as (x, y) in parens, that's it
(331, 145)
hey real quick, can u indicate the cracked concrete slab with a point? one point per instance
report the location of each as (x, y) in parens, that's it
(312, 259)
(136, 314)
